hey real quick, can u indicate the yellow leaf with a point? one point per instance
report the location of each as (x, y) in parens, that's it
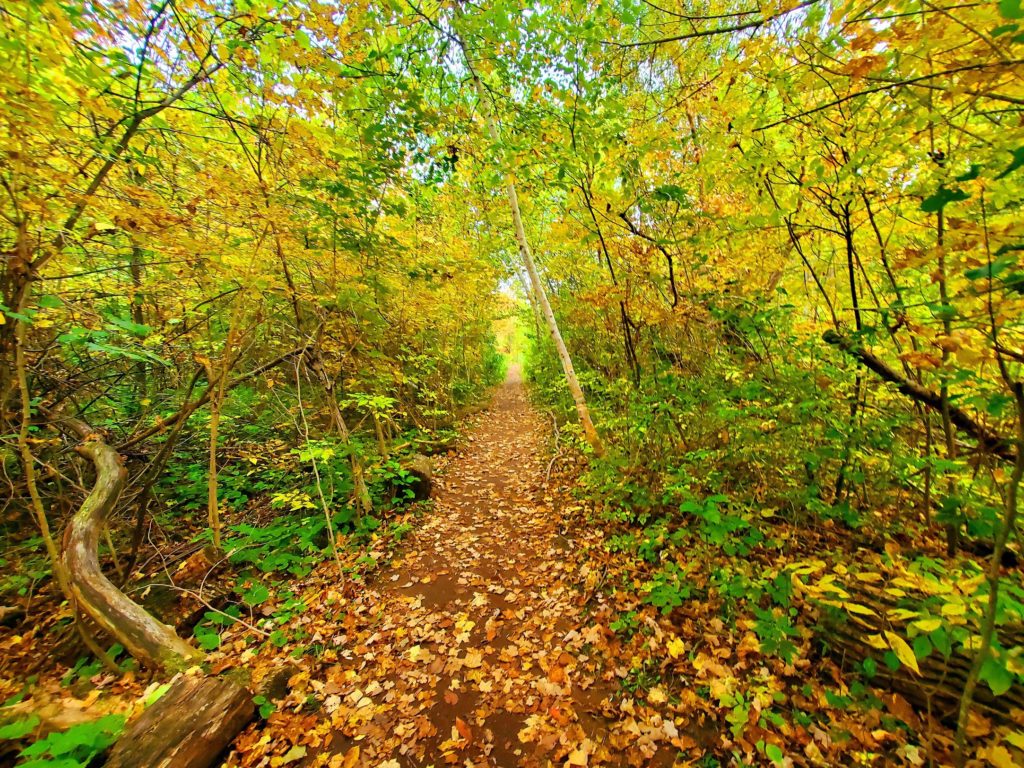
(351, 758)
(863, 610)
(1016, 738)
(418, 653)
(676, 647)
(903, 651)
(902, 614)
(999, 756)
(578, 759)
(869, 576)
(927, 625)
(876, 641)
(954, 609)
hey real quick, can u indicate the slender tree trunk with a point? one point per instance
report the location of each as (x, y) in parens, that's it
(988, 622)
(212, 506)
(361, 493)
(538, 322)
(571, 380)
(216, 382)
(28, 460)
(382, 444)
(625, 321)
(1006, 529)
(952, 526)
(582, 411)
(139, 318)
(847, 229)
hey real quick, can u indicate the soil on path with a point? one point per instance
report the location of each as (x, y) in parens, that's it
(472, 648)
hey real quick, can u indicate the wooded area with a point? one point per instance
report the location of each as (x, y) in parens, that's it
(609, 382)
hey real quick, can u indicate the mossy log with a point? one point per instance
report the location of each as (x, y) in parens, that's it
(421, 475)
(190, 726)
(939, 686)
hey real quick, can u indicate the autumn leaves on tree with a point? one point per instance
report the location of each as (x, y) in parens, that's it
(759, 263)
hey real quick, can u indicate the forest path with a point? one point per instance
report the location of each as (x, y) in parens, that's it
(470, 649)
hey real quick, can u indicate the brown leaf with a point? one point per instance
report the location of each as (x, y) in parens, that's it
(464, 730)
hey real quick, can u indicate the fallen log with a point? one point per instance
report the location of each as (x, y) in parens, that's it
(10, 615)
(190, 726)
(939, 686)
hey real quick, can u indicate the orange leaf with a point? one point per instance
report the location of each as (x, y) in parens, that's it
(464, 730)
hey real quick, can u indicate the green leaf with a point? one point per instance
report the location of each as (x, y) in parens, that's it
(671, 192)
(136, 329)
(208, 639)
(256, 594)
(1017, 162)
(940, 639)
(775, 754)
(19, 729)
(157, 693)
(46, 762)
(991, 270)
(998, 677)
(1010, 9)
(279, 638)
(922, 646)
(942, 198)
(971, 173)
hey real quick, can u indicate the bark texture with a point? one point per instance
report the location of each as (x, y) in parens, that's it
(190, 726)
(151, 642)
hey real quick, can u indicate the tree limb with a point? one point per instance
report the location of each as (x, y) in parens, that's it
(988, 440)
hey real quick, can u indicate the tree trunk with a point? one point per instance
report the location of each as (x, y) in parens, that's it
(582, 411)
(361, 493)
(151, 642)
(190, 726)
(532, 299)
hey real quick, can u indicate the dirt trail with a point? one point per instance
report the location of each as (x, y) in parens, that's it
(470, 649)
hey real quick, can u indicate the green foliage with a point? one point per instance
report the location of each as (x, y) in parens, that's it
(775, 633)
(626, 624)
(76, 747)
(390, 484)
(266, 708)
(292, 544)
(668, 589)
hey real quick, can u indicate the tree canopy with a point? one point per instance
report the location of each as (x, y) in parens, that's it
(759, 261)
